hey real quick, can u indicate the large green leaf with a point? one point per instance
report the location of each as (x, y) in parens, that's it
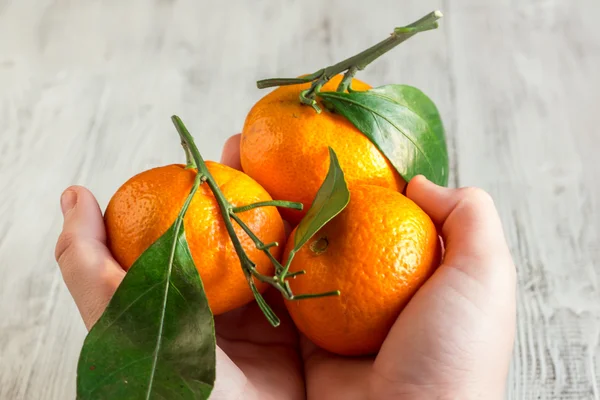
(403, 123)
(333, 196)
(156, 339)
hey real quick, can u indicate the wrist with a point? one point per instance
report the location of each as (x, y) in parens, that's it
(434, 392)
(449, 394)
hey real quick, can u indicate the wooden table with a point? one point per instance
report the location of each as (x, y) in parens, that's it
(87, 89)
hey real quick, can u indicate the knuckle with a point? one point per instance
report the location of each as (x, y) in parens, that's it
(66, 243)
(477, 195)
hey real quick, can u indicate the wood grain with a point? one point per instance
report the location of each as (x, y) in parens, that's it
(87, 89)
(526, 131)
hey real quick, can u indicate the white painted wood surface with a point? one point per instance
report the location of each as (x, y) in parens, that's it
(87, 89)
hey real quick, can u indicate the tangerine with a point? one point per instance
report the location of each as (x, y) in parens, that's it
(378, 251)
(147, 205)
(284, 147)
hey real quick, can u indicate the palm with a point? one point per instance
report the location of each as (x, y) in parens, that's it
(329, 376)
(402, 367)
(262, 361)
(270, 363)
(455, 327)
(435, 342)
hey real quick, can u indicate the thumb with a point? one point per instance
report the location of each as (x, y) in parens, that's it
(457, 332)
(470, 227)
(90, 272)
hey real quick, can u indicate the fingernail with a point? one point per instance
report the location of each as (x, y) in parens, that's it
(68, 201)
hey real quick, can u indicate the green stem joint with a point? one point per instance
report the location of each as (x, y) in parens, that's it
(353, 64)
(229, 214)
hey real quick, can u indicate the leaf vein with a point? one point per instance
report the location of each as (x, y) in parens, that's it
(344, 98)
(144, 293)
(116, 372)
(164, 307)
(430, 129)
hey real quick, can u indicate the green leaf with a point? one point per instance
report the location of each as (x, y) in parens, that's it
(156, 339)
(333, 196)
(403, 123)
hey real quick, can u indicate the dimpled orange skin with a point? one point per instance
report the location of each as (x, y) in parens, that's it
(148, 204)
(377, 252)
(284, 146)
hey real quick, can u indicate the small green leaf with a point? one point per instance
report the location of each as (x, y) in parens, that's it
(156, 339)
(333, 196)
(403, 123)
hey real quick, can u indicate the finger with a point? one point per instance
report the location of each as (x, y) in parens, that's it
(460, 324)
(230, 382)
(78, 205)
(330, 376)
(249, 325)
(435, 200)
(470, 224)
(82, 220)
(231, 152)
(88, 269)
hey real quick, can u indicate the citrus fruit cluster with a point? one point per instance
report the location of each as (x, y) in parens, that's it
(377, 252)
(331, 156)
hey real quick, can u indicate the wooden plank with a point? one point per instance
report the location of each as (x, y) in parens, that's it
(87, 89)
(527, 113)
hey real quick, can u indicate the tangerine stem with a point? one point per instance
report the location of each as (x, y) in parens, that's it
(224, 208)
(347, 79)
(286, 268)
(355, 63)
(275, 203)
(257, 242)
(189, 158)
(228, 212)
(315, 295)
(265, 83)
(262, 304)
(295, 274)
